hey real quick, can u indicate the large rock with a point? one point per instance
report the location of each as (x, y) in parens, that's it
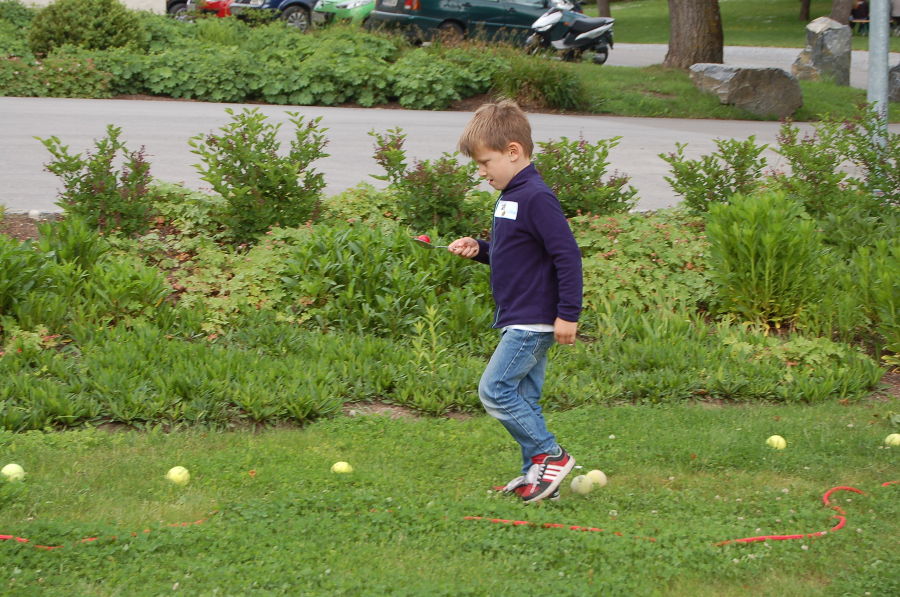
(827, 53)
(894, 84)
(762, 91)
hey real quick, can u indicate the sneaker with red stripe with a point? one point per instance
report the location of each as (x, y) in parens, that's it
(545, 476)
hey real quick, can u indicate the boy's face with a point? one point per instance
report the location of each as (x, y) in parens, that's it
(499, 167)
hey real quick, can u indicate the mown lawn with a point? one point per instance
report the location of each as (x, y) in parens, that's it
(758, 23)
(277, 521)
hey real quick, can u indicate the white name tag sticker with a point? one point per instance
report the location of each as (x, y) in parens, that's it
(506, 209)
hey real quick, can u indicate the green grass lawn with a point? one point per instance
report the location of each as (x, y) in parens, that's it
(757, 23)
(661, 92)
(687, 476)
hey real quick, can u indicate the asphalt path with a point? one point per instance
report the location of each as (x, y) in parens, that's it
(163, 129)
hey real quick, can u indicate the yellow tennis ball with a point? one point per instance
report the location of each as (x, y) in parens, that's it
(341, 467)
(582, 485)
(892, 440)
(597, 477)
(178, 475)
(777, 442)
(13, 472)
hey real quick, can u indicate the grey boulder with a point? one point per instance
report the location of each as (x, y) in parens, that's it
(761, 91)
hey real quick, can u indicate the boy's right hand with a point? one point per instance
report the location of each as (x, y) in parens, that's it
(466, 247)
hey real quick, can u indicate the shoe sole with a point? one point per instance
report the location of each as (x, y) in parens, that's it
(553, 487)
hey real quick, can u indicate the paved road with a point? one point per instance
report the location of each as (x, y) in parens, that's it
(164, 127)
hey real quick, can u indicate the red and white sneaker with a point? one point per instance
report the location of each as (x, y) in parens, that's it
(545, 476)
(518, 485)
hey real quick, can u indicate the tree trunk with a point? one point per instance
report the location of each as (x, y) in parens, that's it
(603, 8)
(840, 11)
(804, 10)
(695, 33)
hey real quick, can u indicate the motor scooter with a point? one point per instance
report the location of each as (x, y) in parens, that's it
(564, 28)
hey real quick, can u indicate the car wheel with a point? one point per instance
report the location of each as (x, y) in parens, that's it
(601, 57)
(296, 16)
(449, 31)
(179, 11)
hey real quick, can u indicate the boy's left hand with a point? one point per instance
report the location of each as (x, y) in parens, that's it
(564, 331)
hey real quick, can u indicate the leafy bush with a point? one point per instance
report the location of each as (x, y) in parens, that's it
(322, 80)
(765, 254)
(537, 84)
(53, 77)
(644, 260)
(108, 199)
(123, 68)
(21, 269)
(362, 280)
(14, 18)
(198, 71)
(16, 13)
(423, 80)
(92, 24)
(260, 187)
(735, 168)
(575, 171)
(438, 194)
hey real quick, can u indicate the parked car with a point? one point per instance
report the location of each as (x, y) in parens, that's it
(182, 9)
(294, 12)
(354, 11)
(297, 13)
(422, 20)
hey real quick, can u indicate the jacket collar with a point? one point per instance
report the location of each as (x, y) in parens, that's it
(521, 178)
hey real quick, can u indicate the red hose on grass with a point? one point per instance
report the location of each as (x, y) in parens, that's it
(826, 500)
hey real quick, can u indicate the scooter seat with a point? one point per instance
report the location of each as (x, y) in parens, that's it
(582, 25)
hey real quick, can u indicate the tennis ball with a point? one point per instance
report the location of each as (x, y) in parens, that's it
(777, 442)
(598, 478)
(341, 467)
(582, 485)
(891, 440)
(424, 238)
(178, 475)
(13, 472)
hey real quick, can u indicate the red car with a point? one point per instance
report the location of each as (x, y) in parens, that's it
(180, 9)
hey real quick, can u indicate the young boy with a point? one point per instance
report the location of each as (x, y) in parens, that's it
(536, 283)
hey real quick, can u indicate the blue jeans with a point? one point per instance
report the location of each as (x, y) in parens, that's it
(510, 390)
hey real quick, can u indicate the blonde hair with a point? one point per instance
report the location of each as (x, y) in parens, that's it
(494, 127)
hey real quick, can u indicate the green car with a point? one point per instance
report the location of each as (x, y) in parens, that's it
(355, 11)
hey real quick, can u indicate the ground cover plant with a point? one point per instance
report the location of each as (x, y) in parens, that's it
(275, 520)
(229, 60)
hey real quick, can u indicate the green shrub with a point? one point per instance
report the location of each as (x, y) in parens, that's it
(538, 84)
(765, 255)
(15, 18)
(198, 71)
(322, 80)
(715, 178)
(16, 14)
(424, 80)
(21, 270)
(108, 199)
(575, 171)
(92, 24)
(123, 68)
(53, 77)
(644, 260)
(362, 280)
(432, 194)
(262, 188)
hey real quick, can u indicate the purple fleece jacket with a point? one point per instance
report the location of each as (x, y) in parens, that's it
(535, 262)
